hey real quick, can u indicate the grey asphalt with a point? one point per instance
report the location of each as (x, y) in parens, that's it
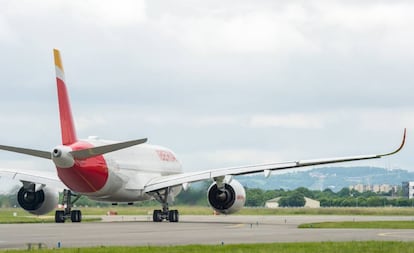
(140, 230)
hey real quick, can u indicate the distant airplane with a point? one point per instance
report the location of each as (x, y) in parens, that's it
(127, 172)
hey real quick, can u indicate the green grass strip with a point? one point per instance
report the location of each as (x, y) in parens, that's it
(313, 247)
(362, 224)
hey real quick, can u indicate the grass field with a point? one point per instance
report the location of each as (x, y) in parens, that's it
(319, 247)
(18, 215)
(380, 211)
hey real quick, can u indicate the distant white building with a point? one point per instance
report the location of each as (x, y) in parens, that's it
(358, 188)
(310, 203)
(374, 188)
(272, 203)
(408, 189)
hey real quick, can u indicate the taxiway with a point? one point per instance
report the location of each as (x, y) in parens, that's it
(140, 230)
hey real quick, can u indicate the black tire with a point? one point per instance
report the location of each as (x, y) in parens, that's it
(173, 216)
(157, 216)
(177, 215)
(76, 216)
(59, 216)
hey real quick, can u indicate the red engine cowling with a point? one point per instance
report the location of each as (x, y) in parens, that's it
(228, 200)
(40, 202)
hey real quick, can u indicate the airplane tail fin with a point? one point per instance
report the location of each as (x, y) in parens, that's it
(67, 125)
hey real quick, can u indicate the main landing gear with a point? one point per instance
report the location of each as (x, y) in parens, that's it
(165, 213)
(62, 215)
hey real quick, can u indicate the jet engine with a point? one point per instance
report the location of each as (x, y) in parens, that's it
(38, 202)
(227, 200)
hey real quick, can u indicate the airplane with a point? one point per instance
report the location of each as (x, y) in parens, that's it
(128, 172)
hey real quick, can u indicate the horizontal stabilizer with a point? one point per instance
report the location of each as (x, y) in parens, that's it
(95, 151)
(26, 151)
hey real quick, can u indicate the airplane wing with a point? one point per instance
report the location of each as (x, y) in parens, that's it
(185, 178)
(49, 179)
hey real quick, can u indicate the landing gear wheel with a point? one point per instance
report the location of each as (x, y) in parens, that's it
(76, 216)
(162, 196)
(173, 215)
(157, 216)
(60, 216)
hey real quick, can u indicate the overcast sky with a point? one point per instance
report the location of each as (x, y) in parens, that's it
(221, 83)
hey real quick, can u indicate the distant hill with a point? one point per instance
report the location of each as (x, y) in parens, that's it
(329, 177)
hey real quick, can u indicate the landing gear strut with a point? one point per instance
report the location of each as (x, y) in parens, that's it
(165, 213)
(62, 215)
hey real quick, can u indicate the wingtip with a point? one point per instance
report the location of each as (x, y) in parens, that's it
(404, 136)
(403, 141)
(401, 146)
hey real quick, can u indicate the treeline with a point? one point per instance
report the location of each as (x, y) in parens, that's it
(296, 198)
(197, 196)
(327, 198)
(8, 201)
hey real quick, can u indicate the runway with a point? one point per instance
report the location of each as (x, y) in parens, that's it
(139, 230)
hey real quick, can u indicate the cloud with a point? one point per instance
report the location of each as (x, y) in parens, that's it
(109, 13)
(371, 27)
(293, 79)
(227, 158)
(290, 27)
(238, 31)
(100, 13)
(6, 33)
(287, 121)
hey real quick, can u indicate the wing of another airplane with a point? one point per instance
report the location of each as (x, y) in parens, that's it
(219, 174)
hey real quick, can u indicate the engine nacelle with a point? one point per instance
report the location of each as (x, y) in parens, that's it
(38, 202)
(228, 200)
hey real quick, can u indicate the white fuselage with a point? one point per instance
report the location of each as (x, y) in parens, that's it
(130, 169)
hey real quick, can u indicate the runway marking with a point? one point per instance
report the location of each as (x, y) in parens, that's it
(398, 234)
(237, 225)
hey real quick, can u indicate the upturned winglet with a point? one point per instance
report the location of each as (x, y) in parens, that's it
(400, 147)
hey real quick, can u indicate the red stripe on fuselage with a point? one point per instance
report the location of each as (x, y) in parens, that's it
(86, 176)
